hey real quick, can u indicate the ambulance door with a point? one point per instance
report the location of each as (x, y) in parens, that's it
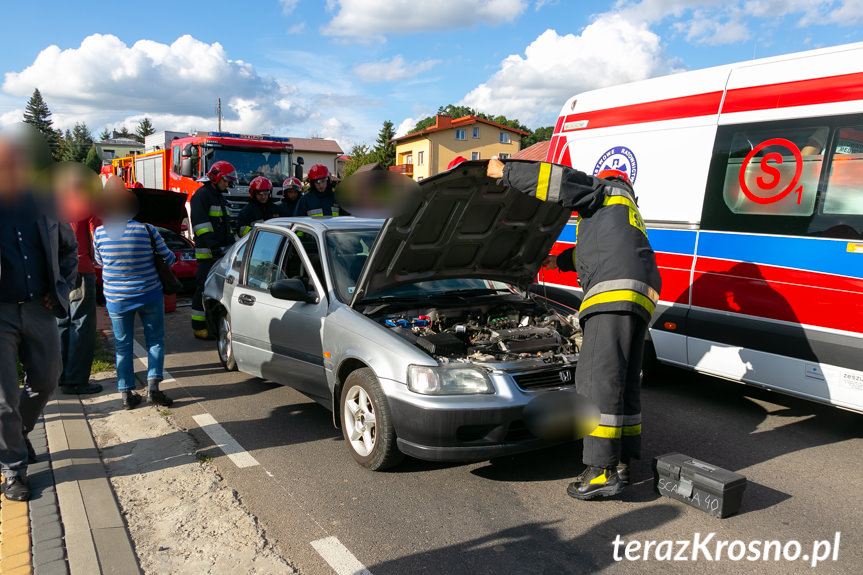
(777, 293)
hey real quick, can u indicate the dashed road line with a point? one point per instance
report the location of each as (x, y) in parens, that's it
(224, 441)
(339, 557)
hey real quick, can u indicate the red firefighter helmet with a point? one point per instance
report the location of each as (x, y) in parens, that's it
(610, 174)
(456, 161)
(292, 184)
(318, 172)
(260, 184)
(222, 169)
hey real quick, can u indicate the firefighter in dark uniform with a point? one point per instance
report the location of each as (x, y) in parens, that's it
(261, 206)
(292, 189)
(320, 200)
(212, 228)
(617, 271)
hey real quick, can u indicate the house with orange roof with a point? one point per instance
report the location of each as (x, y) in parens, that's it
(428, 152)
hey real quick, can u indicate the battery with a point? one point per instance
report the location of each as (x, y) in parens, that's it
(711, 489)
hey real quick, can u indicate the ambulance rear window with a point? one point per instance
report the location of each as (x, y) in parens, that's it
(844, 193)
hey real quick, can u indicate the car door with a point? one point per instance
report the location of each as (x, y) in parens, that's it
(277, 339)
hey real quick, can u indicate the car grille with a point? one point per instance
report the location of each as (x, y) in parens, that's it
(545, 379)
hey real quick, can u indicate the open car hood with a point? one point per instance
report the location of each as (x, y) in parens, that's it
(462, 224)
(161, 208)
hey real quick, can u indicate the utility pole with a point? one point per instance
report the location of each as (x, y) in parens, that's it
(219, 113)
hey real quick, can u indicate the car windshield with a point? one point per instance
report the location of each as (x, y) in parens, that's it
(175, 242)
(250, 163)
(348, 251)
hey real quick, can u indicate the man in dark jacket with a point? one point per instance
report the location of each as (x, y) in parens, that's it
(320, 200)
(212, 227)
(260, 208)
(292, 189)
(38, 269)
(617, 271)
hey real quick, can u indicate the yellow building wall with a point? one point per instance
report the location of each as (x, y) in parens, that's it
(488, 144)
(413, 148)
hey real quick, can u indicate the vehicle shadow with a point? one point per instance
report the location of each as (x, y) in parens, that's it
(536, 547)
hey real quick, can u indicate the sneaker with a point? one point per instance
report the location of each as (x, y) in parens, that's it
(595, 482)
(16, 488)
(131, 400)
(79, 389)
(159, 398)
(203, 334)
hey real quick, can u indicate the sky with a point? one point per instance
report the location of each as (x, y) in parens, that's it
(340, 68)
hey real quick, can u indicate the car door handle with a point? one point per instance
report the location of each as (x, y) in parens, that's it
(246, 299)
(229, 279)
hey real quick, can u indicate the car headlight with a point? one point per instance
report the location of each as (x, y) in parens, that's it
(448, 380)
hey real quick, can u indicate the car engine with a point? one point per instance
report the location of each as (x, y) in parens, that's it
(502, 333)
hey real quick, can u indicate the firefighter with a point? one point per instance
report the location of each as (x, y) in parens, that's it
(617, 271)
(320, 199)
(292, 188)
(212, 228)
(260, 207)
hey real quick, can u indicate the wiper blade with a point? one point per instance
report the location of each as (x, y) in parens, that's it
(475, 291)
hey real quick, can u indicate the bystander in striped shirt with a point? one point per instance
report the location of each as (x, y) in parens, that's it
(129, 277)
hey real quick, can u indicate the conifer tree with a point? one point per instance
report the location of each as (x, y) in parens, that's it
(38, 115)
(385, 150)
(144, 129)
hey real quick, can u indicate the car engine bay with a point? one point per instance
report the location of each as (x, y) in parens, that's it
(505, 332)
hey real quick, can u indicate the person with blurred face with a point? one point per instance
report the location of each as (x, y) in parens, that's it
(75, 187)
(292, 188)
(124, 249)
(38, 269)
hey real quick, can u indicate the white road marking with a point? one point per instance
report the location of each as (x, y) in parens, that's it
(224, 441)
(340, 559)
(141, 354)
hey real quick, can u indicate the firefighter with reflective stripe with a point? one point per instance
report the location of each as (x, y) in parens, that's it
(320, 200)
(617, 271)
(292, 189)
(260, 208)
(212, 228)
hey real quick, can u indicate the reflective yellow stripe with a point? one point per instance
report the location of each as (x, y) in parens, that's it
(542, 182)
(619, 295)
(203, 256)
(216, 214)
(245, 230)
(635, 219)
(599, 478)
(632, 429)
(201, 231)
(607, 432)
(198, 317)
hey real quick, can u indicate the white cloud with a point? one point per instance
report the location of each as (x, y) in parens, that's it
(104, 79)
(365, 20)
(392, 70)
(714, 29)
(405, 126)
(288, 5)
(611, 50)
(297, 28)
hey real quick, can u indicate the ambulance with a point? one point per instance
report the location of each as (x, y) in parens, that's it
(750, 180)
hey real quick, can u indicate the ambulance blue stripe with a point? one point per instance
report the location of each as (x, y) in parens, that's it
(661, 240)
(812, 254)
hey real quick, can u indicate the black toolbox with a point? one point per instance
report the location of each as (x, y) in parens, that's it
(711, 489)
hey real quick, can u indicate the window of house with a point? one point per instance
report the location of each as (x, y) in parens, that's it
(461, 134)
(409, 159)
(421, 158)
(504, 138)
(474, 156)
(108, 154)
(476, 131)
(503, 156)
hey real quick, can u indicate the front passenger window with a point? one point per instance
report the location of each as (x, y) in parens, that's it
(264, 260)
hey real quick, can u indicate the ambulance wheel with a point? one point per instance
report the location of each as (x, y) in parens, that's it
(225, 344)
(367, 423)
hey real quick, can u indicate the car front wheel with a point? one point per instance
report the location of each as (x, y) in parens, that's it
(225, 343)
(367, 422)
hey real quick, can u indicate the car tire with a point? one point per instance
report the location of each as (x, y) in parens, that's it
(367, 422)
(225, 343)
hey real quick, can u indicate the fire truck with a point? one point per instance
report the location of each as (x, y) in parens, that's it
(181, 160)
(750, 181)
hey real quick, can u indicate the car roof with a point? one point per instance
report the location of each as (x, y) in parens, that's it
(324, 224)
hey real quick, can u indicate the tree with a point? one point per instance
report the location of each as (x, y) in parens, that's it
(78, 143)
(360, 155)
(385, 150)
(459, 111)
(538, 135)
(38, 115)
(105, 135)
(93, 161)
(144, 129)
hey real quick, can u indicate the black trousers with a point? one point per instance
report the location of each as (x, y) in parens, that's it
(199, 320)
(609, 373)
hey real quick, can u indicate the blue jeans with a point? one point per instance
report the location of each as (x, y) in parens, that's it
(153, 318)
(77, 333)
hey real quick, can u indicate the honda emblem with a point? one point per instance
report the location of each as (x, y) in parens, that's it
(565, 376)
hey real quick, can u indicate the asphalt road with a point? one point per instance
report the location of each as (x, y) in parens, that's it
(512, 515)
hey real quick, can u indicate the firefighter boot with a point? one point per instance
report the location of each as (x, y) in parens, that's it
(203, 334)
(595, 482)
(623, 472)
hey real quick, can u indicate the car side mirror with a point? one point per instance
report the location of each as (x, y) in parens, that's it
(292, 289)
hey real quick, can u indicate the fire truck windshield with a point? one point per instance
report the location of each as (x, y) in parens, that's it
(251, 163)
